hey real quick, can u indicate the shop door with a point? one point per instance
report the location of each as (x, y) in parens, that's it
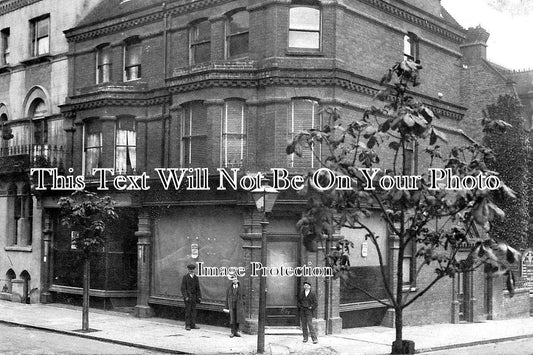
(282, 291)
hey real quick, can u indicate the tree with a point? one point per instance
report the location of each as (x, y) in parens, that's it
(375, 153)
(512, 149)
(87, 215)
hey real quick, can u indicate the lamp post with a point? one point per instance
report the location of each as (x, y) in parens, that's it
(264, 198)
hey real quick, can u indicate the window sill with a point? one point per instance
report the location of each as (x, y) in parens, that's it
(304, 52)
(36, 60)
(26, 249)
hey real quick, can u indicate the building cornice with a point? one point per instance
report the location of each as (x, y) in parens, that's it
(13, 5)
(113, 98)
(157, 13)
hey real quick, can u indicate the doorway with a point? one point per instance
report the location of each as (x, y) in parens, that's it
(282, 291)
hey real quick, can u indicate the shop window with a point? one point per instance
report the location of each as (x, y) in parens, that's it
(93, 145)
(103, 64)
(125, 146)
(237, 28)
(233, 134)
(200, 42)
(410, 47)
(132, 59)
(193, 135)
(303, 114)
(40, 35)
(4, 46)
(304, 27)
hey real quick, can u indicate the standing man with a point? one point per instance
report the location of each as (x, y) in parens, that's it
(307, 305)
(190, 290)
(235, 306)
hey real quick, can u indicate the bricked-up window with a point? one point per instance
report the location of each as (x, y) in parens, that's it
(304, 27)
(193, 135)
(103, 64)
(40, 35)
(233, 134)
(410, 46)
(93, 145)
(125, 146)
(237, 28)
(200, 42)
(303, 114)
(132, 59)
(4, 46)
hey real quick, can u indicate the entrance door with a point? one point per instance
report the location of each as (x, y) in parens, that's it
(282, 291)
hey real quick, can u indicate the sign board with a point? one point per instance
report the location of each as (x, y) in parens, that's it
(527, 268)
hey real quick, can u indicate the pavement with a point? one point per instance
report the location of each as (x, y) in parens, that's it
(170, 336)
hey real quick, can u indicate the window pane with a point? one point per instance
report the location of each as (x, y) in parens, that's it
(199, 119)
(104, 73)
(238, 44)
(303, 116)
(104, 56)
(202, 31)
(42, 27)
(299, 39)
(406, 270)
(202, 52)
(42, 45)
(239, 22)
(133, 55)
(304, 18)
(133, 73)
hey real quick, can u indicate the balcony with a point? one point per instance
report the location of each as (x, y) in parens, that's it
(20, 158)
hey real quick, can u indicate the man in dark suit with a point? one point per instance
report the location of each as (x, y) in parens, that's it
(307, 305)
(190, 290)
(235, 306)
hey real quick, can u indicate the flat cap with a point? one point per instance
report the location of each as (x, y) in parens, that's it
(191, 266)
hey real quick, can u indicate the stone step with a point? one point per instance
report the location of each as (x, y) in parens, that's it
(270, 330)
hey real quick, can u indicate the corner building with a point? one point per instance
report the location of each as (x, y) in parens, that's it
(226, 84)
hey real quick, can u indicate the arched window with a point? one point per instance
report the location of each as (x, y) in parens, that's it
(92, 145)
(237, 27)
(304, 27)
(200, 42)
(132, 59)
(303, 114)
(103, 64)
(125, 146)
(233, 134)
(193, 135)
(10, 276)
(40, 127)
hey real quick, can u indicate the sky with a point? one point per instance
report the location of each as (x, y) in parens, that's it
(509, 22)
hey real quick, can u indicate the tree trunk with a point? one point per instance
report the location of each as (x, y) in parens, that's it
(86, 286)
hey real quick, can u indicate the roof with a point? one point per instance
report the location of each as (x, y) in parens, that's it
(449, 18)
(108, 9)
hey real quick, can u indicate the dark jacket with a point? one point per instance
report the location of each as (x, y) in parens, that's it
(190, 288)
(235, 300)
(308, 303)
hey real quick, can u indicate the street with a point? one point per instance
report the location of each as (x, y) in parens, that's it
(21, 340)
(516, 347)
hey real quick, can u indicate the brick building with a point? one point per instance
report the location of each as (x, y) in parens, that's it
(33, 83)
(225, 84)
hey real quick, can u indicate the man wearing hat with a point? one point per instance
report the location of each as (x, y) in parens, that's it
(190, 290)
(235, 305)
(307, 305)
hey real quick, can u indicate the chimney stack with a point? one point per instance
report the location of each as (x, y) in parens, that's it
(474, 48)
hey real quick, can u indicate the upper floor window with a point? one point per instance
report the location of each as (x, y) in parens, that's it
(132, 59)
(410, 46)
(237, 34)
(303, 115)
(93, 145)
(40, 35)
(200, 42)
(4, 46)
(125, 146)
(304, 27)
(233, 134)
(103, 64)
(193, 135)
